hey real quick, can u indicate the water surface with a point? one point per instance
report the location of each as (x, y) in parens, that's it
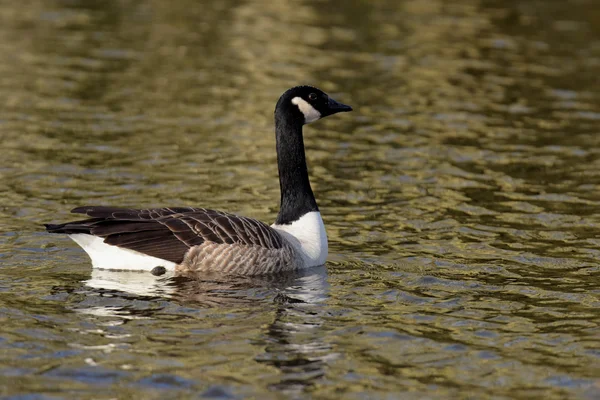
(461, 197)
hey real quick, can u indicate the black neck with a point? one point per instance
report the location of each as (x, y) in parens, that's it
(297, 197)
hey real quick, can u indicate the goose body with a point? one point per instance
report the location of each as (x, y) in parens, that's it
(186, 239)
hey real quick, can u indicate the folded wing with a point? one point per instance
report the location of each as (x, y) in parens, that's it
(168, 233)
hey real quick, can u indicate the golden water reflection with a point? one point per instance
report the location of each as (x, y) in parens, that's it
(460, 197)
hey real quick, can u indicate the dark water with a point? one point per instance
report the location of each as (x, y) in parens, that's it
(461, 197)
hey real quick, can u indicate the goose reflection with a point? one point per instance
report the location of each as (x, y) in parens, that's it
(294, 341)
(204, 290)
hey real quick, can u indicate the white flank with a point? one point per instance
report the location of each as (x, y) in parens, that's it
(107, 256)
(310, 113)
(308, 236)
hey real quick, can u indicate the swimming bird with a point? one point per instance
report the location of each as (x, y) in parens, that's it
(187, 239)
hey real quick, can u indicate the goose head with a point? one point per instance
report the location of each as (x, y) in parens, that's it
(308, 104)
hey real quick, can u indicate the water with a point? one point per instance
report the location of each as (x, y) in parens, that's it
(461, 197)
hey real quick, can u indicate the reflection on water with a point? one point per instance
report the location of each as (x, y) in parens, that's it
(307, 286)
(291, 342)
(460, 198)
(136, 283)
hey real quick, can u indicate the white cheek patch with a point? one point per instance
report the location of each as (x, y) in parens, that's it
(310, 113)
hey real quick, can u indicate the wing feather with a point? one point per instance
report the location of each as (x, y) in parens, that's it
(168, 233)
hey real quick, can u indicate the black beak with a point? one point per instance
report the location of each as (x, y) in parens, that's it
(334, 107)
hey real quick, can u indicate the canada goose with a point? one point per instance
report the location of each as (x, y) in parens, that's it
(186, 239)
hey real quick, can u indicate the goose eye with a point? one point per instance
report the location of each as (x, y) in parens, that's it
(312, 96)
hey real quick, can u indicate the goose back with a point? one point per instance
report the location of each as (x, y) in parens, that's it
(195, 239)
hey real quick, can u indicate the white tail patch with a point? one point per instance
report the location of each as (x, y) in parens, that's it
(308, 236)
(310, 113)
(107, 256)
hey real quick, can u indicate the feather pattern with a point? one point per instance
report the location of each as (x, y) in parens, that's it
(193, 238)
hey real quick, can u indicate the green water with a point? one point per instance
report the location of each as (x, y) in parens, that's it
(461, 197)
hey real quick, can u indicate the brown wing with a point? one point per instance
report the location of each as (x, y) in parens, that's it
(168, 233)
